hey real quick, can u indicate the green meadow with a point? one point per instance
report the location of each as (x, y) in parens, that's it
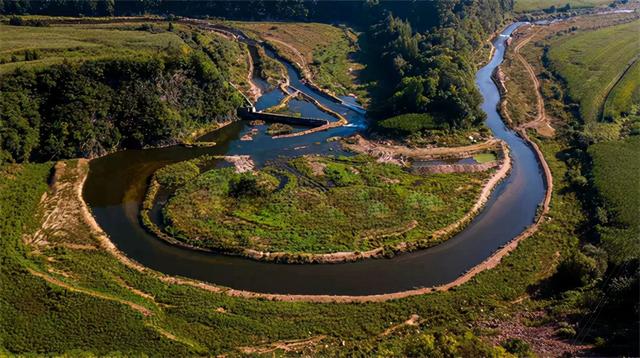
(54, 44)
(592, 62)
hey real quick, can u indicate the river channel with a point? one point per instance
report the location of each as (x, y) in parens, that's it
(116, 185)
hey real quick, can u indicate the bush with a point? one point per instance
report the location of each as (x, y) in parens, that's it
(576, 270)
(177, 175)
(518, 347)
(16, 21)
(279, 128)
(246, 186)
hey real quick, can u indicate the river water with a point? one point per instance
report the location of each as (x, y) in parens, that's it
(116, 185)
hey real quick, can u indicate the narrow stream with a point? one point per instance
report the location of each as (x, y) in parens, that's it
(116, 185)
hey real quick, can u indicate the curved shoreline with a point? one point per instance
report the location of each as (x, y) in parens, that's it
(446, 264)
(387, 251)
(489, 263)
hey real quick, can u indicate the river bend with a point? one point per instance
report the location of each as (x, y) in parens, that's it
(116, 185)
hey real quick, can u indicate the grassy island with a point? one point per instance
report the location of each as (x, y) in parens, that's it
(316, 205)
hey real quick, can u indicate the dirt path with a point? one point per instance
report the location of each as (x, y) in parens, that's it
(54, 281)
(291, 346)
(414, 320)
(541, 123)
(399, 154)
(242, 163)
(254, 91)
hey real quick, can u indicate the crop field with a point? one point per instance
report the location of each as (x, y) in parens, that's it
(624, 98)
(615, 174)
(53, 44)
(318, 205)
(533, 5)
(592, 62)
(324, 49)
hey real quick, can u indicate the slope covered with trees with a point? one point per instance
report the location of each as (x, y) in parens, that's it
(95, 93)
(420, 55)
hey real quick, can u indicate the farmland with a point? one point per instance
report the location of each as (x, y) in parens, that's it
(591, 63)
(39, 47)
(615, 165)
(325, 205)
(624, 98)
(533, 5)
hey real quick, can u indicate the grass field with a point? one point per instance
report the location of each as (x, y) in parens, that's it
(43, 317)
(318, 205)
(53, 44)
(592, 62)
(533, 5)
(324, 49)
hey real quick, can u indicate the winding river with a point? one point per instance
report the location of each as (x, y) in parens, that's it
(117, 183)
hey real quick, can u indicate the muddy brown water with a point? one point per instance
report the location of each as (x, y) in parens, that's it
(116, 185)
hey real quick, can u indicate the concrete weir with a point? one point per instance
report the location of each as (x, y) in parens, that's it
(250, 113)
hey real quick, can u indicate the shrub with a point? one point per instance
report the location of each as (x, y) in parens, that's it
(247, 186)
(177, 175)
(576, 270)
(16, 21)
(279, 128)
(518, 347)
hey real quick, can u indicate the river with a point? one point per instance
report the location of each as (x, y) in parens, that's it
(116, 185)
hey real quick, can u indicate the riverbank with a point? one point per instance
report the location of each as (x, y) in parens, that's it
(399, 237)
(487, 264)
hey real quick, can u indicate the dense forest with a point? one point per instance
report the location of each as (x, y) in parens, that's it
(89, 108)
(419, 55)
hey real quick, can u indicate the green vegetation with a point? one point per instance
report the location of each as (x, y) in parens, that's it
(318, 205)
(591, 63)
(532, 5)
(88, 108)
(408, 123)
(43, 318)
(430, 72)
(323, 49)
(624, 98)
(485, 157)
(279, 128)
(53, 44)
(268, 68)
(615, 170)
(595, 285)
